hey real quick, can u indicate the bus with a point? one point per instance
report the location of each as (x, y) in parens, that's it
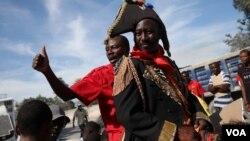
(228, 63)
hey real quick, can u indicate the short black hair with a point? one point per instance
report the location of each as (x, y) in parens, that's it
(124, 40)
(245, 51)
(215, 63)
(32, 116)
(91, 131)
(92, 126)
(94, 136)
(187, 72)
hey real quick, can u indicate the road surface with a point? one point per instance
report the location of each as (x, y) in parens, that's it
(73, 134)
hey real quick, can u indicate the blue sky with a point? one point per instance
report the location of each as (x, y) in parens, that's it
(73, 33)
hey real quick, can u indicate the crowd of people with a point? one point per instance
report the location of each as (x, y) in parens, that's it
(97, 85)
(142, 94)
(38, 121)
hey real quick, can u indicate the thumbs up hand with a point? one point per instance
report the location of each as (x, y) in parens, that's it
(41, 61)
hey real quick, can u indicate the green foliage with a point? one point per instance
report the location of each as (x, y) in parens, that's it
(242, 6)
(56, 100)
(241, 39)
(238, 42)
(66, 105)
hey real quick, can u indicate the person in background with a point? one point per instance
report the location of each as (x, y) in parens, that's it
(59, 121)
(100, 122)
(97, 85)
(205, 130)
(244, 73)
(147, 88)
(219, 85)
(34, 121)
(91, 132)
(196, 89)
(193, 86)
(104, 136)
(82, 117)
(237, 77)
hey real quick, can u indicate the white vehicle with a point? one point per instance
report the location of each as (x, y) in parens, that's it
(7, 118)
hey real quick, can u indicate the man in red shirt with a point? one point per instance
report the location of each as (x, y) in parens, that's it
(193, 85)
(237, 77)
(98, 84)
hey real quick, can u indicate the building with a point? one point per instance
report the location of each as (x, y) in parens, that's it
(228, 63)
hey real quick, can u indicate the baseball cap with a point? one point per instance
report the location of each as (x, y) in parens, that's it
(58, 112)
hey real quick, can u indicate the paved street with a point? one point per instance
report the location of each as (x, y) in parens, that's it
(70, 134)
(73, 134)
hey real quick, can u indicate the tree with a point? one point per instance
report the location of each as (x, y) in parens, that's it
(243, 6)
(49, 100)
(241, 39)
(66, 105)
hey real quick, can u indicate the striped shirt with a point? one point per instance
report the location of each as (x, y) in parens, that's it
(221, 99)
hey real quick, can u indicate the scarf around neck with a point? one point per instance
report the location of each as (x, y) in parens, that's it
(159, 61)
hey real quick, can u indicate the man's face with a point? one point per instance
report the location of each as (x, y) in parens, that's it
(245, 58)
(147, 35)
(115, 49)
(58, 125)
(185, 76)
(215, 68)
(80, 108)
(45, 131)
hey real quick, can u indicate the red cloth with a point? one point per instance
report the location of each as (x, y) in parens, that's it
(196, 88)
(212, 137)
(98, 84)
(237, 78)
(159, 60)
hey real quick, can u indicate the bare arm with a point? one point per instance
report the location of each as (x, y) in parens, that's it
(243, 91)
(223, 88)
(212, 88)
(201, 91)
(86, 118)
(41, 64)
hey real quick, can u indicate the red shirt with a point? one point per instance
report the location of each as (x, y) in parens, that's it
(196, 88)
(98, 84)
(237, 78)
